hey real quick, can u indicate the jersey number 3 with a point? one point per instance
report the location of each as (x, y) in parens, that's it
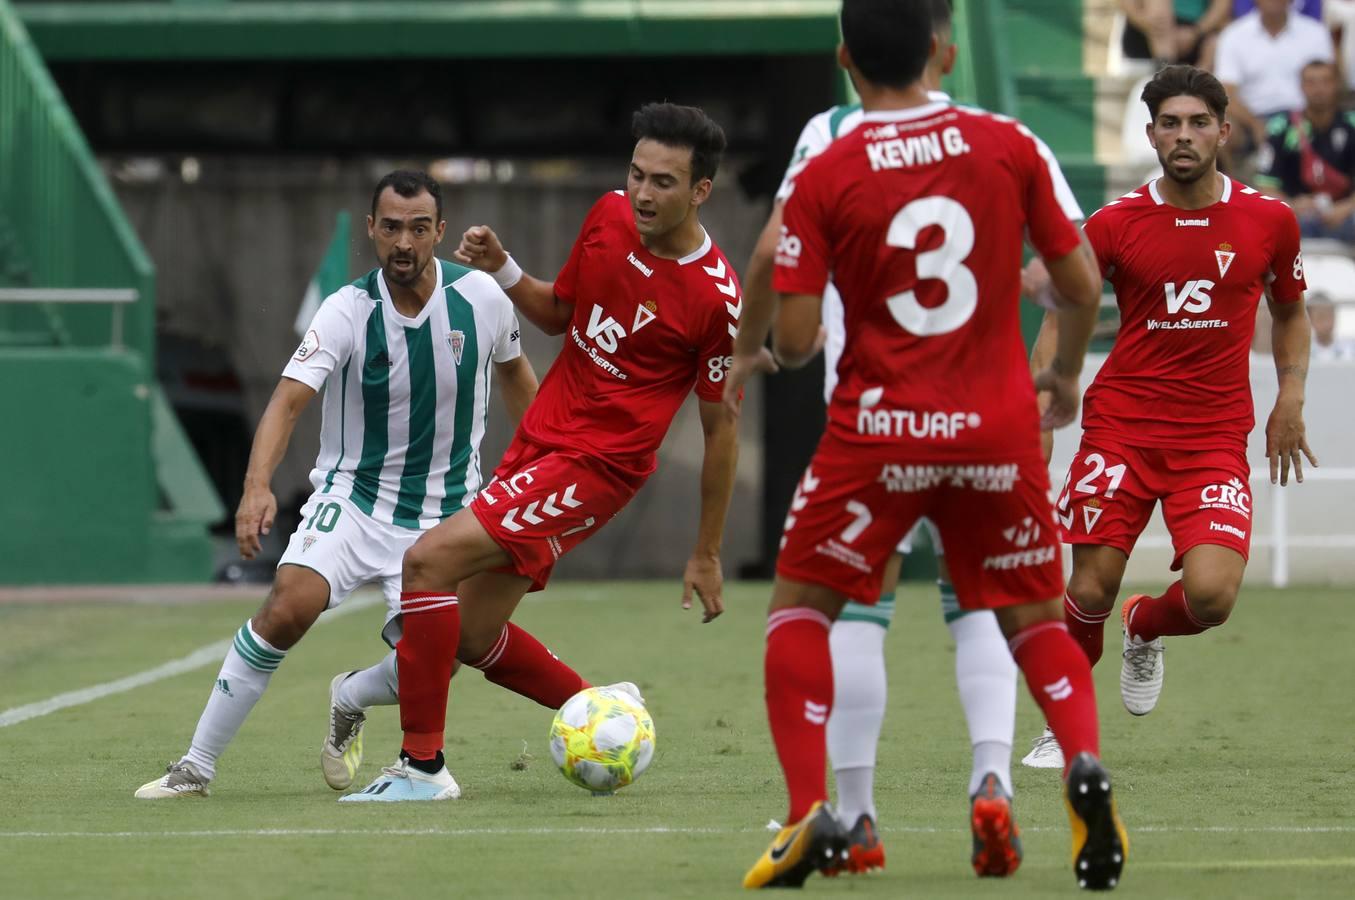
(946, 263)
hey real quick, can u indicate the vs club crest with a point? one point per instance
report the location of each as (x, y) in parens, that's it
(457, 341)
(1224, 256)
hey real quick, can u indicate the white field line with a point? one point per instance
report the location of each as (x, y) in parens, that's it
(662, 829)
(200, 657)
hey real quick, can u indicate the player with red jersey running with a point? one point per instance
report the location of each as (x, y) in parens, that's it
(1167, 417)
(919, 215)
(648, 305)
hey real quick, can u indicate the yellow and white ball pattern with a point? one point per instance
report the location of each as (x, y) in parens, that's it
(602, 739)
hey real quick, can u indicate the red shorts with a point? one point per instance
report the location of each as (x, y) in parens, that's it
(1111, 490)
(542, 503)
(995, 522)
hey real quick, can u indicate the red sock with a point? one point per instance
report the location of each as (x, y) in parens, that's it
(522, 664)
(1088, 629)
(424, 656)
(1153, 617)
(798, 671)
(1060, 679)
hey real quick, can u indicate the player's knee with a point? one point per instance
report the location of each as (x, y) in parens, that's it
(286, 616)
(471, 648)
(419, 566)
(1212, 604)
(1092, 594)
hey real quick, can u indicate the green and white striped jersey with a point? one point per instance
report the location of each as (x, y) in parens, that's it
(405, 399)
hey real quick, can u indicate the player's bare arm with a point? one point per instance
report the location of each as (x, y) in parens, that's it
(1076, 293)
(481, 249)
(759, 307)
(703, 575)
(518, 384)
(798, 334)
(1041, 355)
(258, 506)
(1286, 444)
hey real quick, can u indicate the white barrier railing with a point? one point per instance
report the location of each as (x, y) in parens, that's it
(117, 297)
(1279, 540)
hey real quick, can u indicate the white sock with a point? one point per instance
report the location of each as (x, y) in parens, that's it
(986, 676)
(249, 664)
(373, 686)
(858, 713)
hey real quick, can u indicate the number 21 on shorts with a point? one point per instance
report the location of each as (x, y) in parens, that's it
(1096, 478)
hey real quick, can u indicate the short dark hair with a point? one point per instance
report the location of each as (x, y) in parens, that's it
(1185, 81)
(1320, 63)
(682, 126)
(408, 183)
(942, 18)
(889, 40)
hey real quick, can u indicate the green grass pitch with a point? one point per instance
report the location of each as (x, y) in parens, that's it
(1240, 784)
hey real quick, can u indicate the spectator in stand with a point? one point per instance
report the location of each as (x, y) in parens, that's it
(1310, 8)
(1259, 58)
(1171, 31)
(1339, 15)
(1326, 347)
(1309, 158)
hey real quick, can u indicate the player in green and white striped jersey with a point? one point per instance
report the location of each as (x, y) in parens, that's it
(404, 356)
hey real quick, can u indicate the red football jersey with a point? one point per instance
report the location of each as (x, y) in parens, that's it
(644, 331)
(1187, 283)
(919, 216)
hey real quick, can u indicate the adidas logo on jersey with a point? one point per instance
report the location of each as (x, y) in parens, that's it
(379, 360)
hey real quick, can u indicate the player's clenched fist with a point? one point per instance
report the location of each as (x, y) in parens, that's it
(481, 249)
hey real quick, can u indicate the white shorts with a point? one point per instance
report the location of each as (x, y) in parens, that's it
(348, 549)
(906, 545)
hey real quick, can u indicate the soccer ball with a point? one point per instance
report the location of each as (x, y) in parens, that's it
(602, 738)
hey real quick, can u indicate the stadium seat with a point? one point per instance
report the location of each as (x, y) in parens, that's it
(1116, 62)
(1135, 147)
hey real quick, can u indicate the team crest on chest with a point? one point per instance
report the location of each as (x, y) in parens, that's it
(1224, 257)
(644, 314)
(457, 341)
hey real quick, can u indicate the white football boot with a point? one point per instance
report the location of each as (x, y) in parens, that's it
(1045, 753)
(181, 779)
(627, 687)
(404, 782)
(341, 753)
(1141, 668)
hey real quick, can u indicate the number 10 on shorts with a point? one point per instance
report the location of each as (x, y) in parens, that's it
(325, 517)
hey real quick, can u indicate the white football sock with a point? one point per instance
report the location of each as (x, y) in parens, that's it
(249, 664)
(986, 676)
(373, 686)
(858, 712)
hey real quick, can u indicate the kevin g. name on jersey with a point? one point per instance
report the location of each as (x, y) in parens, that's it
(888, 148)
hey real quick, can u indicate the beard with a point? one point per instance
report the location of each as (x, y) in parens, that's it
(1188, 176)
(403, 277)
